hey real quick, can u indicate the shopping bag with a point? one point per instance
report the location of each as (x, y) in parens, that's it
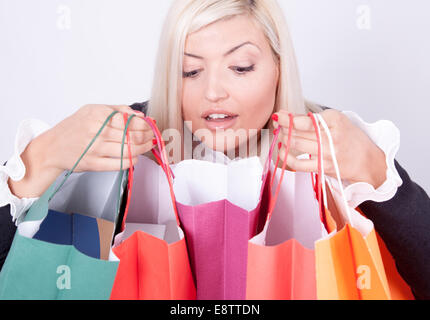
(220, 207)
(49, 263)
(348, 261)
(399, 289)
(281, 259)
(151, 246)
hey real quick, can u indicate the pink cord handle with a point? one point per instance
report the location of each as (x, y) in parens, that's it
(319, 185)
(284, 164)
(161, 155)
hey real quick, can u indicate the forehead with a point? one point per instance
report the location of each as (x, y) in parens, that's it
(221, 36)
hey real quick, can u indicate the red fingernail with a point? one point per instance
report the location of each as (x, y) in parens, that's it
(154, 141)
(279, 145)
(275, 118)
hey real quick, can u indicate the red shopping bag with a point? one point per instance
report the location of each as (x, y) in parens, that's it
(153, 256)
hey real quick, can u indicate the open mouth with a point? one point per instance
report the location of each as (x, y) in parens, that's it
(220, 120)
(220, 117)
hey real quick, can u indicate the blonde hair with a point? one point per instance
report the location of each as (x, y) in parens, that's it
(188, 16)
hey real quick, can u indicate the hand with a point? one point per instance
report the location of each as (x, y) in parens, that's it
(359, 159)
(71, 136)
(57, 150)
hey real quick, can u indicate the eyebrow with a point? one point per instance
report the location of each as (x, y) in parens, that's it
(227, 53)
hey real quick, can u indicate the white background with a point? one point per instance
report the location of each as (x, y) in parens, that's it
(368, 56)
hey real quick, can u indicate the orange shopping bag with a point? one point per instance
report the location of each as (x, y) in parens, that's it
(152, 250)
(349, 263)
(399, 289)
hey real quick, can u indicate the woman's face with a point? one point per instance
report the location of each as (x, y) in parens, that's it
(229, 82)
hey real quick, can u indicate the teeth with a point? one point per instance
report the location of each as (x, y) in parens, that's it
(217, 116)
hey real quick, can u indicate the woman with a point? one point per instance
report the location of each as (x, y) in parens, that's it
(226, 68)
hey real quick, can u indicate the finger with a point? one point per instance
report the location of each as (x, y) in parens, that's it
(126, 109)
(99, 164)
(302, 134)
(303, 145)
(107, 109)
(112, 149)
(136, 137)
(300, 123)
(307, 165)
(310, 135)
(301, 165)
(136, 124)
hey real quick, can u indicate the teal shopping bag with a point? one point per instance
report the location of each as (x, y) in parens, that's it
(38, 269)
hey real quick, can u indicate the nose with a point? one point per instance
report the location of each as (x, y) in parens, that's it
(215, 90)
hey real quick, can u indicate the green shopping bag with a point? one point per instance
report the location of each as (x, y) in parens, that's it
(36, 269)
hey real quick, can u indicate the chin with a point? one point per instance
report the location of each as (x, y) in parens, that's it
(226, 144)
(218, 144)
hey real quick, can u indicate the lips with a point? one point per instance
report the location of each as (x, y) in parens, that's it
(217, 119)
(218, 112)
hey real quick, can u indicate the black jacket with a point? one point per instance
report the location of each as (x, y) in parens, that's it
(402, 222)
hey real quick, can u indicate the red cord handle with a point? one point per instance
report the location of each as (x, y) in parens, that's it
(284, 164)
(317, 188)
(161, 157)
(164, 163)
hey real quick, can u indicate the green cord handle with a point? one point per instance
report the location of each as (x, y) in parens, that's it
(69, 173)
(122, 159)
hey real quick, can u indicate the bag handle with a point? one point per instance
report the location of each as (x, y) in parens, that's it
(336, 167)
(284, 164)
(69, 173)
(130, 171)
(319, 185)
(320, 167)
(320, 156)
(161, 156)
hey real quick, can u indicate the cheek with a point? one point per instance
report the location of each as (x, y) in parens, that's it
(192, 102)
(257, 100)
(189, 101)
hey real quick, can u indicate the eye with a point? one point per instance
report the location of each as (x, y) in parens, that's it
(190, 74)
(243, 70)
